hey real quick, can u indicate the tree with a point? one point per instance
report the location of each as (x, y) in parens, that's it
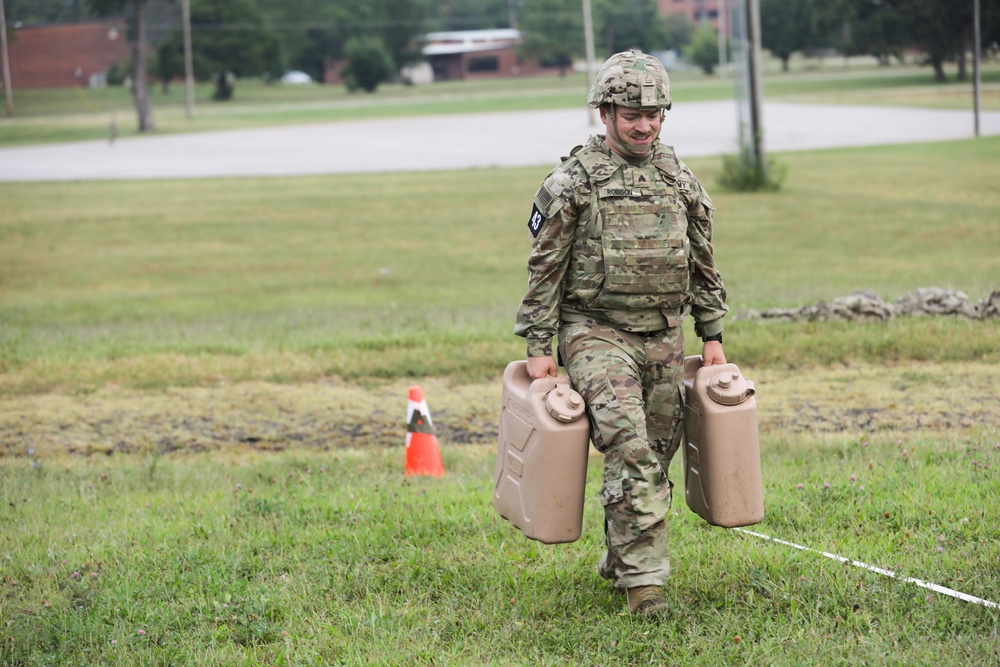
(368, 63)
(703, 50)
(679, 30)
(401, 21)
(884, 28)
(169, 63)
(471, 14)
(44, 11)
(227, 36)
(553, 32)
(869, 28)
(139, 39)
(787, 26)
(628, 24)
(989, 23)
(307, 44)
(312, 31)
(939, 27)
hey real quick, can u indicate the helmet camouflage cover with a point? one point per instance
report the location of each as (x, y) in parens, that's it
(631, 79)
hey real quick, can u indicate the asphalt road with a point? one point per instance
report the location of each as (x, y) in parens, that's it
(470, 141)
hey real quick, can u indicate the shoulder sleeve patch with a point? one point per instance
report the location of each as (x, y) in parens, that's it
(544, 198)
(536, 220)
(548, 200)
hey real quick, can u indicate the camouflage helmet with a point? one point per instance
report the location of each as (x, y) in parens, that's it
(631, 79)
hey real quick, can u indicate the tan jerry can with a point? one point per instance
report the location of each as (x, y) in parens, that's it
(542, 451)
(722, 477)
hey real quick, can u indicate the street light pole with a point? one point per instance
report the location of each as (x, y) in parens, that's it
(975, 62)
(755, 89)
(722, 20)
(188, 59)
(588, 40)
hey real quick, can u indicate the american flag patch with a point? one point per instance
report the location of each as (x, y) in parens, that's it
(544, 197)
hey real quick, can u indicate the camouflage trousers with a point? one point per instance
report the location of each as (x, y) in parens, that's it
(633, 385)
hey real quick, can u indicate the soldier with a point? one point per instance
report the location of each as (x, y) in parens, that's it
(621, 237)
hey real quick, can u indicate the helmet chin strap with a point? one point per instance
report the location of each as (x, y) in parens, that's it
(633, 149)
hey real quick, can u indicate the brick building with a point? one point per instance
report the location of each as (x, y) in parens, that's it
(476, 54)
(68, 54)
(696, 10)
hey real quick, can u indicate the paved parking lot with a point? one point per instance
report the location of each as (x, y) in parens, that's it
(468, 141)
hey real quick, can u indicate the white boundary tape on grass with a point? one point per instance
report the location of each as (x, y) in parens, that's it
(888, 573)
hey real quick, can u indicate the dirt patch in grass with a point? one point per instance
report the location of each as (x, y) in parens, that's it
(868, 398)
(259, 415)
(332, 414)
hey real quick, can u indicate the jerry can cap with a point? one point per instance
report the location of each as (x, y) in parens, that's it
(730, 388)
(564, 404)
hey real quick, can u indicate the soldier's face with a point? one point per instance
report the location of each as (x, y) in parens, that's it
(632, 132)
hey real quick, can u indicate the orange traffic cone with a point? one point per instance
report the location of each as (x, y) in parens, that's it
(422, 454)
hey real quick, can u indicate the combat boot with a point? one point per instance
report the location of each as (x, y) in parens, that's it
(646, 601)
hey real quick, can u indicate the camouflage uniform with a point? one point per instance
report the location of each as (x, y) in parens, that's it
(621, 252)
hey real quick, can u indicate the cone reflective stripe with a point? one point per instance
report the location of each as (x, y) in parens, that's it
(423, 457)
(418, 417)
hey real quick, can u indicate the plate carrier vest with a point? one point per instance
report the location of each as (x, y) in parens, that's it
(632, 252)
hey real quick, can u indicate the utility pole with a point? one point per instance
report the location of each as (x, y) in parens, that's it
(512, 14)
(722, 13)
(188, 60)
(754, 84)
(8, 96)
(976, 37)
(588, 40)
(745, 25)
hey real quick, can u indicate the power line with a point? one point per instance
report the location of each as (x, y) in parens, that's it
(357, 23)
(327, 25)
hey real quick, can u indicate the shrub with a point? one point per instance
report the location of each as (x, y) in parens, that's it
(703, 50)
(741, 174)
(118, 73)
(223, 88)
(368, 63)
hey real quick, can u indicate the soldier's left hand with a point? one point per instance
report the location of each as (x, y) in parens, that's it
(712, 354)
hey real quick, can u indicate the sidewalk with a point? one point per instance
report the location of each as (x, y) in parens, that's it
(471, 141)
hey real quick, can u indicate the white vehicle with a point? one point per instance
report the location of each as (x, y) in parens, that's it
(297, 77)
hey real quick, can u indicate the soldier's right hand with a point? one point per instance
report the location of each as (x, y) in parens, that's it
(539, 367)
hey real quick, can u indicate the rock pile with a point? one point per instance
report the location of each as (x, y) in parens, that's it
(867, 307)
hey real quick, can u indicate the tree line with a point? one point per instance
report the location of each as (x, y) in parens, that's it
(266, 37)
(376, 38)
(942, 30)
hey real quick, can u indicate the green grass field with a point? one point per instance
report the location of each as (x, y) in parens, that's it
(334, 558)
(203, 388)
(410, 275)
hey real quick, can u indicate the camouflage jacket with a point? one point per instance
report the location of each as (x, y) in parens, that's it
(583, 266)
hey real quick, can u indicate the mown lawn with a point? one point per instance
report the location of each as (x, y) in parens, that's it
(321, 558)
(202, 395)
(406, 275)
